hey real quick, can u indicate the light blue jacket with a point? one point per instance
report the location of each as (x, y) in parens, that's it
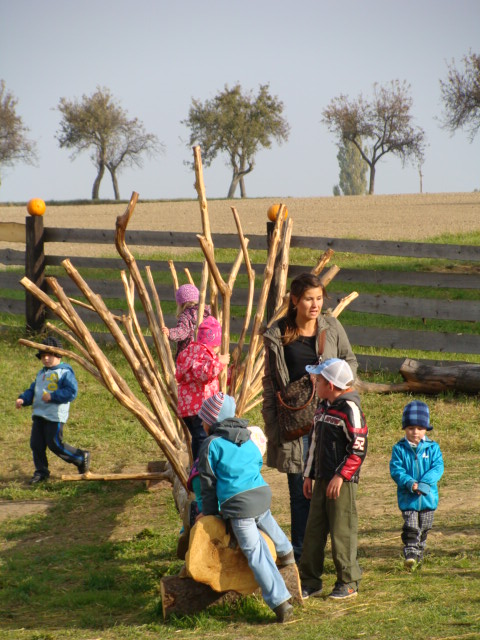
(229, 464)
(61, 384)
(423, 465)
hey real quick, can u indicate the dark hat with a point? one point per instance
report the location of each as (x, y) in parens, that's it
(50, 341)
(416, 414)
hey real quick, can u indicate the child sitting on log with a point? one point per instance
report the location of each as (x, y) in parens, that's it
(232, 486)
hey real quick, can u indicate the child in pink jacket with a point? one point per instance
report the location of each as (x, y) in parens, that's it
(198, 368)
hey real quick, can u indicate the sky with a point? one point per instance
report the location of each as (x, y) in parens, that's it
(155, 56)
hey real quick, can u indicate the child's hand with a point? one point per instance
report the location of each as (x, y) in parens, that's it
(415, 488)
(334, 486)
(224, 358)
(46, 397)
(18, 403)
(166, 331)
(307, 488)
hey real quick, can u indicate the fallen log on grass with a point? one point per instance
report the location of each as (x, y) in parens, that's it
(420, 377)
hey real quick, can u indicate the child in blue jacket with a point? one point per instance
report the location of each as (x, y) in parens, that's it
(416, 466)
(232, 486)
(50, 395)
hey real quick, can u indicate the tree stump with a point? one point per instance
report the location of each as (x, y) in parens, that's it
(184, 596)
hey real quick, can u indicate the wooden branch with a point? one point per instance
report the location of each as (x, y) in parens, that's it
(189, 275)
(322, 261)
(76, 477)
(173, 273)
(202, 199)
(166, 358)
(255, 334)
(202, 296)
(344, 302)
(329, 275)
(284, 262)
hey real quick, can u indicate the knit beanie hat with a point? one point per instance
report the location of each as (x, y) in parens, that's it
(187, 293)
(335, 370)
(210, 332)
(217, 408)
(50, 341)
(416, 414)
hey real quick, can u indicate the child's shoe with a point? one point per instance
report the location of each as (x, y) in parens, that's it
(288, 558)
(410, 563)
(342, 591)
(37, 477)
(283, 612)
(85, 464)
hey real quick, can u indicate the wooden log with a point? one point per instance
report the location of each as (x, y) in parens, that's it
(214, 558)
(116, 476)
(425, 378)
(184, 596)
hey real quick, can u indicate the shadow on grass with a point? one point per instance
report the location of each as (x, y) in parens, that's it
(67, 568)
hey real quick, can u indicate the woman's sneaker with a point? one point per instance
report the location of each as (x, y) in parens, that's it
(342, 591)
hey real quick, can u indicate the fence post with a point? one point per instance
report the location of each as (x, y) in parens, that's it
(34, 271)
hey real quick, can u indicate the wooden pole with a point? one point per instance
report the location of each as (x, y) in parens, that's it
(34, 271)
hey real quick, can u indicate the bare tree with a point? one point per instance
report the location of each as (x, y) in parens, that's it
(14, 144)
(384, 125)
(98, 123)
(461, 96)
(238, 125)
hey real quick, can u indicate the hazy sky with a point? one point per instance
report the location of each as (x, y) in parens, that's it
(155, 55)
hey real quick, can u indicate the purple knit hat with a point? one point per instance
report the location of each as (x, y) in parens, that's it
(210, 332)
(187, 293)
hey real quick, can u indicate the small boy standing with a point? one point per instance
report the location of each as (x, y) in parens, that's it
(416, 466)
(50, 394)
(232, 486)
(337, 450)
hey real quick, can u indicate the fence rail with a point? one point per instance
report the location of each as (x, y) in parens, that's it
(381, 302)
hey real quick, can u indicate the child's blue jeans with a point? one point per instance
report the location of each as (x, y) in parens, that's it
(260, 561)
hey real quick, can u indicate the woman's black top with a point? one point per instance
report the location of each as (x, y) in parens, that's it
(298, 354)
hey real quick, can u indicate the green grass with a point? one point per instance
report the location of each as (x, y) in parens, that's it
(90, 566)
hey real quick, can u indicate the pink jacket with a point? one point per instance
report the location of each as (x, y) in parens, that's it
(197, 377)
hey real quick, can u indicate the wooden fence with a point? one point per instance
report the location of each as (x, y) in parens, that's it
(36, 263)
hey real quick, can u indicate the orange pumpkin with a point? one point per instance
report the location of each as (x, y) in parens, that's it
(36, 207)
(272, 212)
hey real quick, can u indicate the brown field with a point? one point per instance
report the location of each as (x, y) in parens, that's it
(413, 217)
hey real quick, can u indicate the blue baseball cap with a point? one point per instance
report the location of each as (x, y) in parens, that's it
(335, 370)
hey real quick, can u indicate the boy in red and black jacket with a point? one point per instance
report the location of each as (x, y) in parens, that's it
(337, 450)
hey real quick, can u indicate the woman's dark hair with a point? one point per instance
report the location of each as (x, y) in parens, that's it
(298, 286)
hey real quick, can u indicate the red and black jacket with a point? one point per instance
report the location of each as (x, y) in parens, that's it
(338, 442)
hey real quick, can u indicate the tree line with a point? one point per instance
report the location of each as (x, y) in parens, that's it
(236, 124)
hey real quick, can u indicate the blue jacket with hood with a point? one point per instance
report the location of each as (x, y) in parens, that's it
(423, 465)
(60, 382)
(229, 464)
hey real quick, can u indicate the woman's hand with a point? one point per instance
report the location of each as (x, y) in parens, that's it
(307, 488)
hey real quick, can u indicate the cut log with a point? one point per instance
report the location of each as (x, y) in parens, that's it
(215, 559)
(184, 596)
(426, 378)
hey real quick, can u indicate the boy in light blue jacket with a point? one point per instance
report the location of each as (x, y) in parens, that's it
(416, 466)
(50, 395)
(232, 486)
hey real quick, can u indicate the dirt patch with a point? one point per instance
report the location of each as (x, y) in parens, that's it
(21, 508)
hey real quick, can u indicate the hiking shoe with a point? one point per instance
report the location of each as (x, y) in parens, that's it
(37, 477)
(342, 591)
(85, 465)
(410, 563)
(314, 592)
(283, 612)
(288, 558)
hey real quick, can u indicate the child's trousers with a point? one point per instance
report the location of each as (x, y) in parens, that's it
(339, 519)
(260, 561)
(416, 525)
(50, 434)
